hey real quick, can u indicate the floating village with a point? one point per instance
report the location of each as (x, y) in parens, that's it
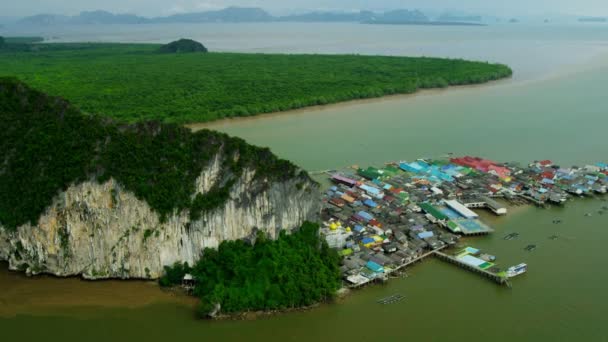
(383, 219)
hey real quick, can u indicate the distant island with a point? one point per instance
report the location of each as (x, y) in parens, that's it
(223, 85)
(447, 17)
(251, 14)
(593, 20)
(431, 23)
(183, 46)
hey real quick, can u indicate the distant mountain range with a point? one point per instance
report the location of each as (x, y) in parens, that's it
(240, 15)
(229, 15)
(84, 18)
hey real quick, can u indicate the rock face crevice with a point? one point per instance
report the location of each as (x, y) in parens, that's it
(104, 231)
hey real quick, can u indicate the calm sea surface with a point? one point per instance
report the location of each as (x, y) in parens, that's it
(554, 107)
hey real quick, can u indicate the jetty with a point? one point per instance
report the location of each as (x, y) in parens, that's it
(497, 278)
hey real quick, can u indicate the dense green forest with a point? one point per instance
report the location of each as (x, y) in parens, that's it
(295, 270)
(46, 144)
(133, 82)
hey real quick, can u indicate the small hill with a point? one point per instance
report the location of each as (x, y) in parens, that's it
(183, 46)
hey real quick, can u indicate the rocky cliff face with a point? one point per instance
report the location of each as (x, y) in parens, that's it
(83, 195)
(103, 231)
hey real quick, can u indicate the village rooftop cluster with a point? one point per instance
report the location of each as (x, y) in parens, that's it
(383, 219)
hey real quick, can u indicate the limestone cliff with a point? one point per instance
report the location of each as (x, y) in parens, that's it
(101, 227)
(103, 231)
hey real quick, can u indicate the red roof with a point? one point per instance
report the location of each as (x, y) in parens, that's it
(548, 175)
(480, 164)
(545, 162)
(374, 222)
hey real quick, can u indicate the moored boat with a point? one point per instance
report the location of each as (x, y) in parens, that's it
(517, 270)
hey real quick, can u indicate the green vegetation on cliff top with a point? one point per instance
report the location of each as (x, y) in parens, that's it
(293, 271)
(133, 82)
(47, 145)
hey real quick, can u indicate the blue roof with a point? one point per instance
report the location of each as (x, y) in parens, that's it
(425, 235)
(412, 167)
(370, 203)
(334, 188)
(367, 240)
(365, 215)
(472, 250)
(358, 228)
(374, 267)
(370, 189)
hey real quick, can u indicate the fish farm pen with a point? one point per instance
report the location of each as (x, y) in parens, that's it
(382, 220)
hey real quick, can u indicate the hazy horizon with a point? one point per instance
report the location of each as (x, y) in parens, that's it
(151, 8)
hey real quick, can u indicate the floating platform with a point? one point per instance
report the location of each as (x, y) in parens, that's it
(396, 298)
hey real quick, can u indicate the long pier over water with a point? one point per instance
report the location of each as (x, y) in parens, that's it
(492, 276)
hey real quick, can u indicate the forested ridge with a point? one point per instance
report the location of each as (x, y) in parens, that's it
(133, 82)
(295, 270)
(46, 145)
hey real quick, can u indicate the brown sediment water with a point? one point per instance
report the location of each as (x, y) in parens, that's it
(20, 294)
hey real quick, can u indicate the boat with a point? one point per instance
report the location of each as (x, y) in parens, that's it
(530, 248)
(511, 236)
(487, 257)
(396, 298)
(516, 270)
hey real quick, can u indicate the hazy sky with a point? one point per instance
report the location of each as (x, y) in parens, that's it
(164, 7)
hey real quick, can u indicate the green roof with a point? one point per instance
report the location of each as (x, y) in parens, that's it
(453, 226)
(391, 171)
(346, 252)
(370, 173)
(429, 209)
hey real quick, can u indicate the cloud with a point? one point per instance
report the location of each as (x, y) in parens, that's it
(208, 6)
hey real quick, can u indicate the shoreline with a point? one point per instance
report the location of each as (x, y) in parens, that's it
(595, 62)
(196, 126)
(40, 294)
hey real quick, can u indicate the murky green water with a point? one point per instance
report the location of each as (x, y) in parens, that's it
(554, 108)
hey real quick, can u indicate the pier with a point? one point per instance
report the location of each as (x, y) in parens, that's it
(492, 276)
